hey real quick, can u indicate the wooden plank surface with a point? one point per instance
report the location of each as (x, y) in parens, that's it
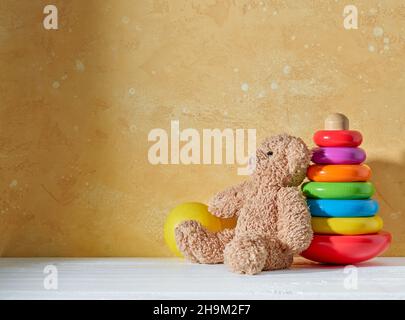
(162, 278)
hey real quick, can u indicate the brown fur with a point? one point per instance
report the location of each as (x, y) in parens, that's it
(273, 218)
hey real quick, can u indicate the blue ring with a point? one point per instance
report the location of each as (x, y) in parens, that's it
(342, 208)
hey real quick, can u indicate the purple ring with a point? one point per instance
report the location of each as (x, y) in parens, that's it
(338, 155)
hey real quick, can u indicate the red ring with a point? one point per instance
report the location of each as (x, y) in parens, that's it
(338, 138)
(337, 249)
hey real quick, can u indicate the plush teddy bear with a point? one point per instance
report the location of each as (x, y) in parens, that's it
(273, 218)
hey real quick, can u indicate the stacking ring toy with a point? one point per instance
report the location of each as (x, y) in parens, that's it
(338, 155)
(339, 172)
(346, 226)
(342, 208)
(338, 190)
(334, 249)
(338, 138)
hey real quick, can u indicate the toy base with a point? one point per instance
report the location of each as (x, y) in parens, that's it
(337, 249)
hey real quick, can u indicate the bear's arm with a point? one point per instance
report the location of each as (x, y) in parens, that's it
(294, 220)
(227, 203)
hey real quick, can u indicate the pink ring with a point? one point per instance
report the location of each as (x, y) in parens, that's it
(338, 155)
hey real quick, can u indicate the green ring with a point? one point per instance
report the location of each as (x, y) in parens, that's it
(338, 190)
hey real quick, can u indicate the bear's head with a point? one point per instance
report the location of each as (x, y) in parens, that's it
(282, 160)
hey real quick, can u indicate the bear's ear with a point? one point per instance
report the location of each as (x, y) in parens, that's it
(298, 155)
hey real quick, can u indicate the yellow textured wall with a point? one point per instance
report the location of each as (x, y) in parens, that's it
(77, 104)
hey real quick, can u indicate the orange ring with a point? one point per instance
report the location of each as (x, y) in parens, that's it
(339, 173)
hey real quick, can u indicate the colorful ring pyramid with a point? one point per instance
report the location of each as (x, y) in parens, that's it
(346, 227)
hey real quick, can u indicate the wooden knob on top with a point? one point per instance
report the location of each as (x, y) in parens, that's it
(336, 121)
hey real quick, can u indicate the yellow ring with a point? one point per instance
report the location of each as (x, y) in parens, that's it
(347, 226)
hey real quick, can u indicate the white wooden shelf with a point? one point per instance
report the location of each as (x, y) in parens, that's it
(160, 278)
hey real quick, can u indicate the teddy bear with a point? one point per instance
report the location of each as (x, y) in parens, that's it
(273, 220)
